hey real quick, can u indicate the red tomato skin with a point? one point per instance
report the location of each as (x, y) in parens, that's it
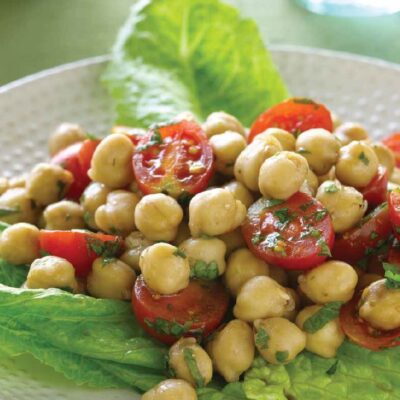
(76, 159)
(351, 246)
(307, 255)
(394, 211)
(204, 302)
(73, 246)
(376, 191)
(361, 333)
(294, 115)
(393, 142)
(150, 181)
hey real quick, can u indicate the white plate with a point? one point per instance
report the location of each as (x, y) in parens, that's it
(356, 88)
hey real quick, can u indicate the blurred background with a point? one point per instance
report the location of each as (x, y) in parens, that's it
(39, 34)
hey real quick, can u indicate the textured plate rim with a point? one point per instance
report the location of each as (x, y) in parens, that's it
(285, 48)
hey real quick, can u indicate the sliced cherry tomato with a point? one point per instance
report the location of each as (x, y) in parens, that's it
(76, 159)
(135, 134)
(361, 333)
(366, 238)
(394, 211)
(293, 234)
(175, 159)
(393, 142)
(80, 248)
(376, 191)
(195, 311)
(295, 115)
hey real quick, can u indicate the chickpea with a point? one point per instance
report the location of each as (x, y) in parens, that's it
(129, 132)
(282, 175)
(286, 139)
(320, 148)
(279, 275)
(48, 183)
(135, 243)
(164, 269)
(248, 164)
(379, 306)
(357, 164)
(327, 340)
(385, 156)
(178, 363)
(312, 182)
(262, 297)
(292, 314)
(233, 240)
(65, 135)
(242, 266)
(19, 243)
(112, 162)
(330, 281)
(182, 234)
(158, 216)
(215, 212)
(19, 207)
(51, 272)
(17, 181)
(186, 116)
(226, 147)
(171, 389)
(206, 250)
(345, 205)
(278, 340)
(350, 131)
(232, 350)
(64, 215)
(94, 196)
(240, 192)
(118, 214)
(4, 185)
(111, 279)
(220, 122)
(395, 177)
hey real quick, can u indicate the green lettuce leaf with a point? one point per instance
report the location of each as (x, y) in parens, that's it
(12, 275)
(196, 55)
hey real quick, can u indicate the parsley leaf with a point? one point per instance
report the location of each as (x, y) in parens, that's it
(155, 139)
(324, 248)
(203, 270)
(392, 275)
(165, 327)
(272, 203)
(281, 356)
(107, 249)
(363, 158)
(4, 211)
(327, 313)
(303, 100)
(257, 238)
(190, 360)
(320, 215)
(331, 188)
(283, 215)
(261, 339)
(179, 253)
(374, 235)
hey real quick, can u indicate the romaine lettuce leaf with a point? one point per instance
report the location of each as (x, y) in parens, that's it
(197, 55)
(12, 275)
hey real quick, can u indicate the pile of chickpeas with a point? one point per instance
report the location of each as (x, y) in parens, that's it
(268, 300)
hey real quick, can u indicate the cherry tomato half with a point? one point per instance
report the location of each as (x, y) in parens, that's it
(76, 159)
(80, 248)
(376, 191)
(364, 239)
(294, 115)
(361, 333)
(195, 311)
(393, 142)
(293, 234)
(175, 159)
(394, 211)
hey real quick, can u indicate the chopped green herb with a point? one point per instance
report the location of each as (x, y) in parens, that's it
(108, 260)
(324, 248)
(303, 100)
(61, 188)
(320, 215)
(363, 158)
(332, 369)
(302, 150)
(272, 203)
(331, 188)
(397, 229)
(392, 275)
(261, 339)
(87, 217)
(306, 206)
(165, 327)
(203, 270)
(257, 238)
(363, 264)
(374, 235)
(155, 139)
(327, 313)
(184, 199)
(107, 249)
(206, 237)
(91, 136)
(281, 356)
(5, 211)
(283, 215)
(190, 360)
(44, 253)
(179, 253)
